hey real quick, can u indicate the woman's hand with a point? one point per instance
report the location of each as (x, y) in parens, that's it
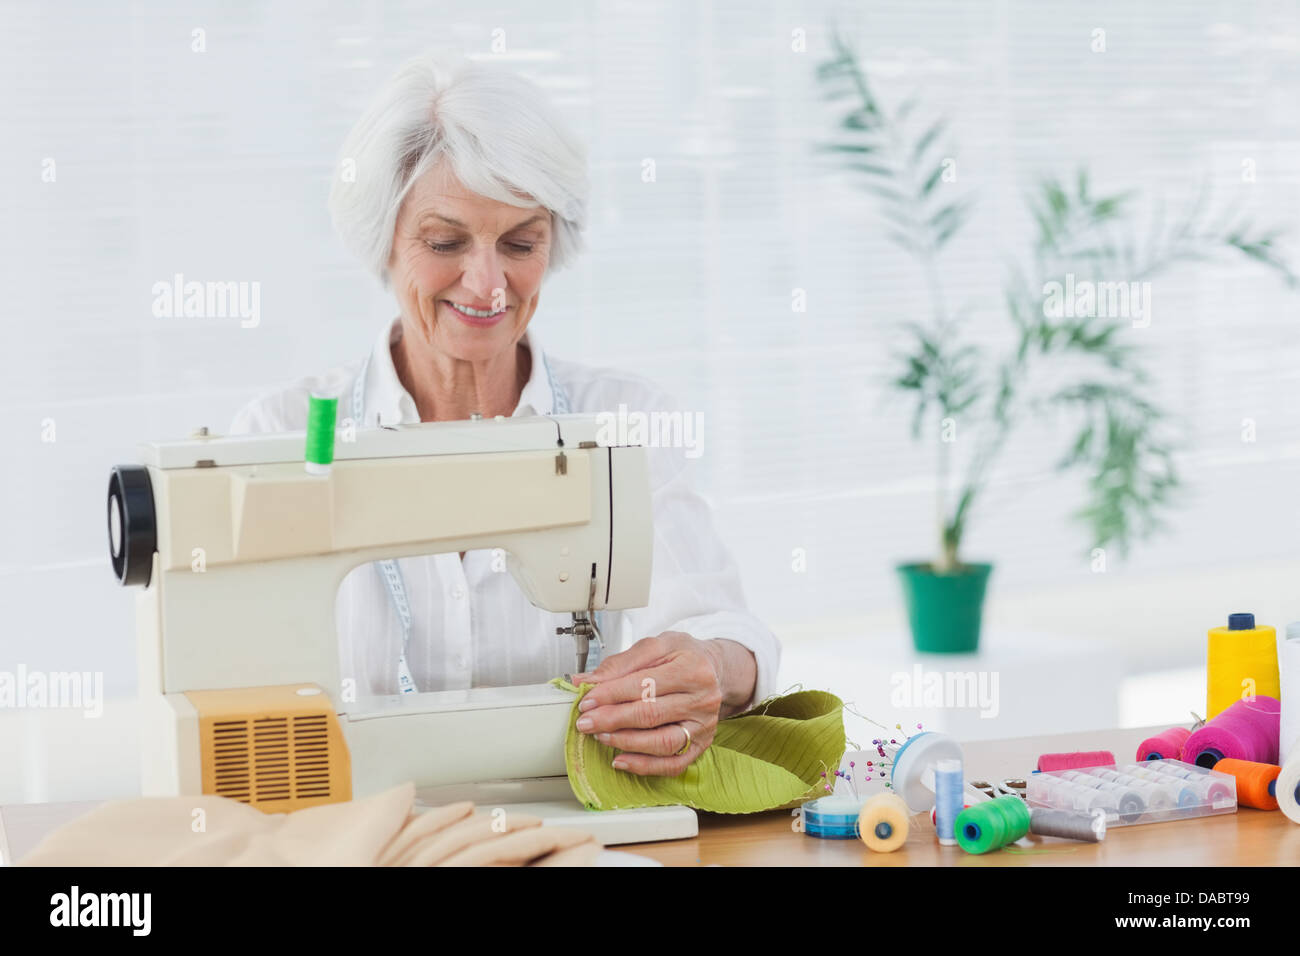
(646, 695)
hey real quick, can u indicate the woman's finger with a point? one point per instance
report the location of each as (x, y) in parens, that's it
(665, 678)
(664, 741)
(645, 765)
(641, 714)
(644, 653)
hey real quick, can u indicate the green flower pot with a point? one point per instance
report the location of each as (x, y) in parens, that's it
(944, 610)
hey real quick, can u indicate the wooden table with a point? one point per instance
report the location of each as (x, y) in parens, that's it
(1245, 838)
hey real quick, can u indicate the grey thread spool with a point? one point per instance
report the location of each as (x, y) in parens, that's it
(1128, 802)
(1069, 824)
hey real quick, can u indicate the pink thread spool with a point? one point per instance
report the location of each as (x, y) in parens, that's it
(1164, 746)
(1077, 760)
(1248, 730)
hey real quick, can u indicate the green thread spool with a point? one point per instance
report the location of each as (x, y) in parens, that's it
(321, 415)
(992, 824)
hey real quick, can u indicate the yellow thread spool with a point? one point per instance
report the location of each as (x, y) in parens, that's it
(1241, 661)
(883, 822)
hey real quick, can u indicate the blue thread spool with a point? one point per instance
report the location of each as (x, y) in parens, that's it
(947, 799)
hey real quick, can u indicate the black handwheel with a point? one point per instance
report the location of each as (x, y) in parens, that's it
(132, 524)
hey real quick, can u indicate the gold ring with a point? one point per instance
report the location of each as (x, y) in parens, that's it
(686, 746)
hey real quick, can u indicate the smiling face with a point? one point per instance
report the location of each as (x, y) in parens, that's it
(466, 270)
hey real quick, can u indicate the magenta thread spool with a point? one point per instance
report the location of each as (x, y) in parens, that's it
(1167, 745)
(1248, 730)
(1077, 760)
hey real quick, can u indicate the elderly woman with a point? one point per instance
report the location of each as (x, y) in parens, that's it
(461, 189)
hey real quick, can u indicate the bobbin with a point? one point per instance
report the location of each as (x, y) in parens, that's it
(1149, 792)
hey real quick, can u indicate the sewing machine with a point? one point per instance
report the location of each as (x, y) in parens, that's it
(240, 552)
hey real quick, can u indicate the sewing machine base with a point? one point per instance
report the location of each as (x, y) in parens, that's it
(551, 799)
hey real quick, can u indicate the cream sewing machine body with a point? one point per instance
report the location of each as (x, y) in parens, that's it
(241, 552)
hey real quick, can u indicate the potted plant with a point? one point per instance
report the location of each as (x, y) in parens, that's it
(1066, 357)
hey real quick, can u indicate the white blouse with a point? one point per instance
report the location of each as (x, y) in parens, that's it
(471, 625)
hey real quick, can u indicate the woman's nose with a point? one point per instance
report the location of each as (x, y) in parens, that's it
(484, 273)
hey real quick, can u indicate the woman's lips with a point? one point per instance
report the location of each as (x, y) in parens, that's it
(479, 321)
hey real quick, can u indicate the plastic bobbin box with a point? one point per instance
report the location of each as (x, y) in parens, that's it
(833, 817)
(1153, 791)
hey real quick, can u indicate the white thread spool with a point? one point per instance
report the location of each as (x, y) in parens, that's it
(1157, 795)
(1179, 789)
(1288, 664)
(1288, 787)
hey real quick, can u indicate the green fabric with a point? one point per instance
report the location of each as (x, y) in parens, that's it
(771, 756)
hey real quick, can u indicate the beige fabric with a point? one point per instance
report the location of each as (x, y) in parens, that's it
(381, 830)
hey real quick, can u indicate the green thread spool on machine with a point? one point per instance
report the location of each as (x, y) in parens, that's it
(321, 416)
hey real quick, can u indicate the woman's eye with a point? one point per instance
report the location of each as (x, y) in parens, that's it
(521, 247)
(443, 246)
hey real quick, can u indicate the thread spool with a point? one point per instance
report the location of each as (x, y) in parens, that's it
(1240, 656)
(321, 415)
(1088, 796)
(1123, 799)
(1248, 730)
(947, 798)
(992, 825)
(883, 822)
(1068, 824)
(1288, 663)
(1158, 794)
(1068, 795)
(969, 795)
(912, 775)
(1076, 760)
(1206, 788)
(1287, 789)
(1166, 745)
(1256, 782)
(1129, 804)
(1185, 795)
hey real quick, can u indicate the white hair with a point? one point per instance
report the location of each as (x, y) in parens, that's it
(499, 132)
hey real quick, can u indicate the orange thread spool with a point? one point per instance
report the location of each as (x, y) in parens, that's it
(1254, 781)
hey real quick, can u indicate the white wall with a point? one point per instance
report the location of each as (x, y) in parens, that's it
(216, 165)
